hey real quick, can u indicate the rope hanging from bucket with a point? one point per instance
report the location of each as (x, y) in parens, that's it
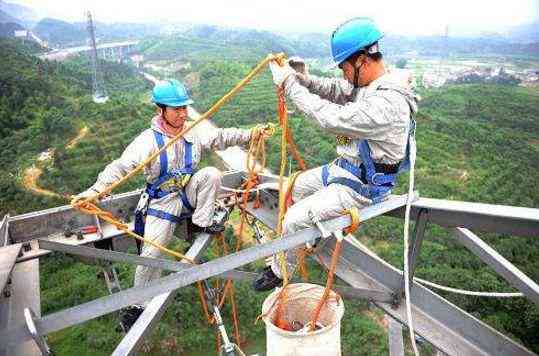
(354, 214)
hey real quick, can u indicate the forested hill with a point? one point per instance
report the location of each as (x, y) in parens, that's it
(475, 142)
(43, 105)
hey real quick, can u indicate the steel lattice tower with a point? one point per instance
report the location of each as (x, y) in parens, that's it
(99, 94)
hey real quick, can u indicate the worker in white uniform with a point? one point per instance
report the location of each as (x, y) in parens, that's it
(175, 189)
(370, 112)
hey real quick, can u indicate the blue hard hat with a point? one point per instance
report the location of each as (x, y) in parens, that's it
(354, 35)
(171, 93)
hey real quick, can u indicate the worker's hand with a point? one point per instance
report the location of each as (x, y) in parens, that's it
(298, 64)
(280, 73)
(89, 193)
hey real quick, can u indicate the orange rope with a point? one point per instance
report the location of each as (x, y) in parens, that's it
(354, 214)
(329, 285)
(237, 335)
(228, 290)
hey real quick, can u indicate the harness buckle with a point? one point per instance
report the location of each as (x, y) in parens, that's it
(374, 176)
(143, 202)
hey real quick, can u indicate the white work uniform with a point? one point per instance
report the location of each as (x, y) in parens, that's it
(201, 190)
(379, 113)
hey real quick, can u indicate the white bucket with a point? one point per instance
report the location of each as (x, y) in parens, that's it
(302, 299)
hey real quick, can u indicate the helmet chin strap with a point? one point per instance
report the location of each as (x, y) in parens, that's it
(356, 75)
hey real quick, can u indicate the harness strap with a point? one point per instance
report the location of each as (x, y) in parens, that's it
(365, 154)
(163, 159)
(166, 216)
(188, 156)
(164, 175)
(374, 193)
(325, 175)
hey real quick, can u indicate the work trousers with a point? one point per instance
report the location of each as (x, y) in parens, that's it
(325, 202)
(201, 193)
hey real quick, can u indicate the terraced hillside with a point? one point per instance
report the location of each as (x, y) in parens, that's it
(477, 143)
(42, 107)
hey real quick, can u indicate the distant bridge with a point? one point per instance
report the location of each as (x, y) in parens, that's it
(108, 51)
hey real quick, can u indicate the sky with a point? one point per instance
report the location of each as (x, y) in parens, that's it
(418, 17)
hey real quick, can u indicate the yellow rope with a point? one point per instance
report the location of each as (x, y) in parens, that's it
(86, 205)
(203, 117)
(283, 116)
(92, 209)
(354, 215)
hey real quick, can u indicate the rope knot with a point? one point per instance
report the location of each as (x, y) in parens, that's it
(354, 225)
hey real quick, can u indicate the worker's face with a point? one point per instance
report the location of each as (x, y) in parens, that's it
(175, 117)
(348, 72)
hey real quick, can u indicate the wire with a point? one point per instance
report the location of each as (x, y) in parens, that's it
(468, 292)
(412, 153)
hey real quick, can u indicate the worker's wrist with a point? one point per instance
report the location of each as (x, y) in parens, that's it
(304, 79)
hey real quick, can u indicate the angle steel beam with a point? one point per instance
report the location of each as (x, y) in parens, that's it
(4, 231)
(113, 256)
(109, 232)
(344, 291)
(502, 266)
(414, 251)
(53, 221)
(396, 343)
(8, 256)
(478, 217)
(25, 293)
(156, 307)
(441, 323)
(40, 224)
(104, 305)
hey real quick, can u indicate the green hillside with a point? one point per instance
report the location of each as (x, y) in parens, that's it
(476, 143)
(43, 105)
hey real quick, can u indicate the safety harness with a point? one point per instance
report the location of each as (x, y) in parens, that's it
(169, 181)
(375, 180)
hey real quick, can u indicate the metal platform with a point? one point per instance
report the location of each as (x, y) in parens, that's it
(448, 328)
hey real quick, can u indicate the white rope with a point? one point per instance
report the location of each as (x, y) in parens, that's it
(468, 292)
(262, 186)
(424, 282)
(407, 243)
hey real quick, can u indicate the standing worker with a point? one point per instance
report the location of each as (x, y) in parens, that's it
(371, 113)
(175, 189)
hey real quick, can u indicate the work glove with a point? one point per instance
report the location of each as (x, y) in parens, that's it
(280, 73)
(84, 195)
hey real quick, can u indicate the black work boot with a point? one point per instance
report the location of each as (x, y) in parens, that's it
(129, 315)
(266, 280)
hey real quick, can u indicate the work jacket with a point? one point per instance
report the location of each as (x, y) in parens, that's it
(145, 145)
(380, 113)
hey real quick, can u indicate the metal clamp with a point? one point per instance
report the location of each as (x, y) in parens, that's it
(213, 305)
(143, 202)
(29, 317)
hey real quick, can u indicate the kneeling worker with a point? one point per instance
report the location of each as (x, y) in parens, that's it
(175, 188)
(370, 112)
